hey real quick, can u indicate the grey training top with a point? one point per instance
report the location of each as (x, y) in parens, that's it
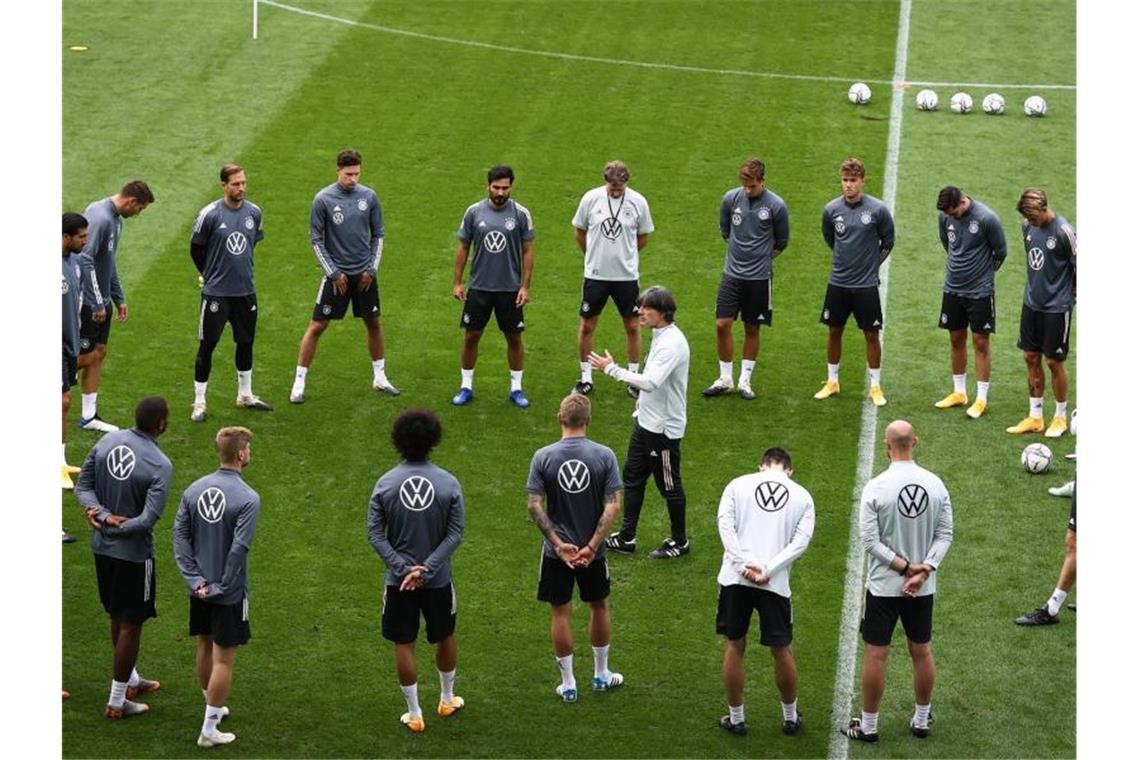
(975, 249)
(229, 236)
(496, 239)
(104, 226)
(213, 531)
(1050, 265)
(575, 475)
(858, 236)
(125, 474)
(346, 228)
(415, 517)
(756, 230)
(72, 301)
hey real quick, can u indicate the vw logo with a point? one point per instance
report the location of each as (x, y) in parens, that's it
(212, 504)
(249, 222)
(236, 243)
(338, 217)
(771, 496)
(1036, 258)
(974, 227)
(736, 220)
(913, 501)
(417, 493)
(865, 218)
(611, 228)
(494, 242)
(840, 226)
(763, 213)
(362, 204)
(574, 476)
(121, 462)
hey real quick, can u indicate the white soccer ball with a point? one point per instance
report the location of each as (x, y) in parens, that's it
(1073, 423)
(961, 102)
(1036, 458)
(1035, 105)
(993, 104)
(859, 93)
(926, 100)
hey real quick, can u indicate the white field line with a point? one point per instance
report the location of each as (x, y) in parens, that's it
(647, 64)
(856, 560)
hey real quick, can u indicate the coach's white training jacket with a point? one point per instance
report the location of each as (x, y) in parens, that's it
(766, 519)
(905, 510)
(663, 385)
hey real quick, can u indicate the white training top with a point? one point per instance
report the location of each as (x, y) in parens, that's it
(612, 226)
(663, 384)
(905, 510)
(767, 519)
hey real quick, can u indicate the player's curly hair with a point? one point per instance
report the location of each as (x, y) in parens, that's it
(415, 433)
(854, 167)
(348, 157)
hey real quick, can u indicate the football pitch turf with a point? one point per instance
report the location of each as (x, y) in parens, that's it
(430, 111)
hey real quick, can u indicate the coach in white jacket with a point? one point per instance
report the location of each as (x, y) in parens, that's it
(766, 521)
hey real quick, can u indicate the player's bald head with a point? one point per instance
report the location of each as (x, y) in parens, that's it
(900, 436)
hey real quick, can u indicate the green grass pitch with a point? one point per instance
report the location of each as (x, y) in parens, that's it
(429, 117)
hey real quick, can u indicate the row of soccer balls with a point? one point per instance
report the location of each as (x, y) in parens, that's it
(960, 102)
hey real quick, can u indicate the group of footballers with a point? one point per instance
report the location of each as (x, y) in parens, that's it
(416, 517)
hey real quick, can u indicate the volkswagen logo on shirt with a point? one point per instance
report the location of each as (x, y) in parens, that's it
(771, 496)
(574, 476)
(121, 462)
(913, 501)
(1036, 258)
(417, 493)
(840, 225)
(212, 504)
(494, 242)
(611, 228)
(236, 243)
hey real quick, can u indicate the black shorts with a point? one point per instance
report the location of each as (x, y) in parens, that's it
(126, 588)
(479, 305)
(332, 306)
(216, 311)
(734, 605)
(400, 613)
(596, 292)
(881, 613)
(1045, 332)
(1073, 511)
(751, 299)
(840, 303)
(556, 581)
(92, 333)
(70, 370)
(958, 312)
(226, 624)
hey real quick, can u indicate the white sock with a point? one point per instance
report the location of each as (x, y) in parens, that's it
(245, 382)
(1055, 601)
(922, 716)
(1036, 407)
(870, 722)
(378, 372)
(632, 367)
(746, 368)
(1062, 410)
(726, 371)
(587, 372)
(302, 372)
(832, 373)
(876, 375)
(790, 709)
(566, 669)
(210, 721)
(412, 697)
(960, 384)
(516, 379)
(467, 378)
(446, 685)
(118, 693)
(135, 678)
(63, 459)
(90, 400)
(200, 390)
(983, 391)
(736, 713)
(602, 661)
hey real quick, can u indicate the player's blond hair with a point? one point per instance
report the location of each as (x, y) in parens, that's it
(752, 168)
(231, 440)
(1033, 199)
(574, 411)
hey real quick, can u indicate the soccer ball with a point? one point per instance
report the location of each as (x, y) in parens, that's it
(926, 100)
(1035, 105)
(961, 102)
(859, 93)
(1073, 423)
(1036, 457)
(993, 104)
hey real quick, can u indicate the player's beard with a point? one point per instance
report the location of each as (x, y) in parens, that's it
(499, 202)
